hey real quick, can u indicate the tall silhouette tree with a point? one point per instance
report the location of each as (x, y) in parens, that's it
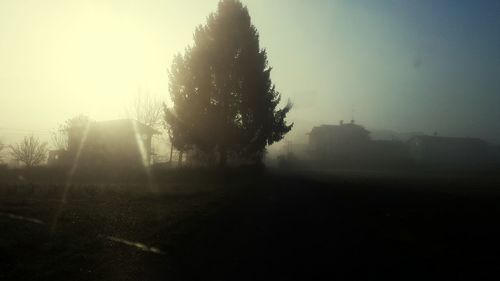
(31, 151)
(224, 100)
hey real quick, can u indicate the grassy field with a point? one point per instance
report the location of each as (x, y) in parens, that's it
(265, 225)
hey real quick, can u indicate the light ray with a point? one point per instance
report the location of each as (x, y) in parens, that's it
(21, 218)
(69, 179)
(144, 155)
(137, 245)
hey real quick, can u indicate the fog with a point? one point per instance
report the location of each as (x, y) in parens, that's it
(398, 65)
(249, 140)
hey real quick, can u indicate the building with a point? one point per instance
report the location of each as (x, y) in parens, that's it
(58, 157)
(388, 153)
(436, 150)
(346, 142)
(115, 143)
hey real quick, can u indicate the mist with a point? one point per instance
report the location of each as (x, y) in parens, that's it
(249, 140)
(402, 65)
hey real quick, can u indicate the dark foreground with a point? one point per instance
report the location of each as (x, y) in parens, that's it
(247, 226)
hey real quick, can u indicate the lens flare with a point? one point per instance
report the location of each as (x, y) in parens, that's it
(69, 180)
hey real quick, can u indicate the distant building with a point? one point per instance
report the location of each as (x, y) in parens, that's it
(449, 150)
(115, 143)
(388, 153)
(351, 145)
(343, 142)
(383, 134)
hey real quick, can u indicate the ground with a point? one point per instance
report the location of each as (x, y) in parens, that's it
(255, 225)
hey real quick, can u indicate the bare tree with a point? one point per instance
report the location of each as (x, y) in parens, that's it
(59, 139)
(30, 151)
(147, 109)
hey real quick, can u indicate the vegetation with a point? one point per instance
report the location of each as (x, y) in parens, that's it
(30, 151)
(224, 101)
(77, 121)
(148, 110)
(59, 138)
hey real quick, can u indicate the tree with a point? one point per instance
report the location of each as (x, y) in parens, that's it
(60, 138)
(147, 109)
(78, 121)
(224, 100)
(30, 151)
(168, 128)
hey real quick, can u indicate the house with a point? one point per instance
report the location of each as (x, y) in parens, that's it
(115, 143)
(383, 153)
(437, 150)
(343, 142)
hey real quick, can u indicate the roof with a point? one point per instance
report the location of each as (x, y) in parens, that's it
(336, 128)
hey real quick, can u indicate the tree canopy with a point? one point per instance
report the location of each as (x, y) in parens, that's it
(223, 99)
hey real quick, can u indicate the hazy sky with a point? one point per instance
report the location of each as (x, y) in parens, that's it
(407, 65)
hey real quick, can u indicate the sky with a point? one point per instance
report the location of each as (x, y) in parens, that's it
(404, 65)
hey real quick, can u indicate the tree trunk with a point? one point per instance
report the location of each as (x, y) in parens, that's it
(171, 152)
(259, 161)
(181, 153)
